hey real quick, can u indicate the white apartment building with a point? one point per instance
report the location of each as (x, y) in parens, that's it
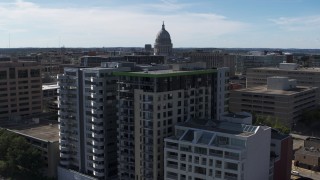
(151, 103)
(87, 122)
(205, 149)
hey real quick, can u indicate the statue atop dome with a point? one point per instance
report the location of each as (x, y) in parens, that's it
(163, 45)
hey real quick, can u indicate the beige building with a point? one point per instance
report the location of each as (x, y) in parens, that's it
(151, 103)
(308, 156)
(20, 89)
(304, 76)
(281, 98)
(214, 59)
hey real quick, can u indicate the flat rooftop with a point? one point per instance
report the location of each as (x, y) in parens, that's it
(279, 69)
(164, 73)
(264, 90)
(234, 115)
(44, 132)
(308, 151)
(236, 129)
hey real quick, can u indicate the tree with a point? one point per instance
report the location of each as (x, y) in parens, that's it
(272, 122)
(18, 158)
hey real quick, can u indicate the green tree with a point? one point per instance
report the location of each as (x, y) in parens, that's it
(18, 159)
(272, 122)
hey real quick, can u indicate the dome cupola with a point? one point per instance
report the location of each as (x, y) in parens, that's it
(163, 45)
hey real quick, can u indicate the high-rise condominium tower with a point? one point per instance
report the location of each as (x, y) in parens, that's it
(88, 129)
(151, 103)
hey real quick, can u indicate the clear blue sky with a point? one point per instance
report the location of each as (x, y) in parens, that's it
(202, 23)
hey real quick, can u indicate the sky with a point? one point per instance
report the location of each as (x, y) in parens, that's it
(133, 23)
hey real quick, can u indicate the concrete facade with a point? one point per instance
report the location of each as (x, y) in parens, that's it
(214, 59)
(151, 103)
(304, 76)
(286, 105)
(44, 136)
(245, 62)
(20, 89)
(308, 156)
(218, 150)
(87, 117)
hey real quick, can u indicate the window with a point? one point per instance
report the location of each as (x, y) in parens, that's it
(200, 150)
(35, 72)
(23, 73)
(200, 170)
(3, 74)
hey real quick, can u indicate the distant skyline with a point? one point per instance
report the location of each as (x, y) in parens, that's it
(127, 23)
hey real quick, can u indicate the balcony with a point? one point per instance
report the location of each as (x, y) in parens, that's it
(98, 151)
(63, 141)
(96, 88)
(62, 133)
(97, 127)
(172, 177)
(97, 143)
(95, 135)
(98, 166)
(171, 146)
(231, 157)
(172, 166)
(96, 158)
(96, 103)
(172, 157)
(96, 120)
(96, 95)
(96, 111)
(63, 113)
(64, 155)
(98, 174)
(63, 106)
(96, 80)
(124, 90)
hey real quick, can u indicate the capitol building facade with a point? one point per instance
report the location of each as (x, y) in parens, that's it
(163, 44)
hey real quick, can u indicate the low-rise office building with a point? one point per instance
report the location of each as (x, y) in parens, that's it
(308, 156)
(44, 136)
(304, 76)
(281, 99)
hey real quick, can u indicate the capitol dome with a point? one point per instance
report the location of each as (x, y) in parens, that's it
(163, 45)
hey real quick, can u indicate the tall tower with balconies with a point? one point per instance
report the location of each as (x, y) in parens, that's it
(88, 123)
